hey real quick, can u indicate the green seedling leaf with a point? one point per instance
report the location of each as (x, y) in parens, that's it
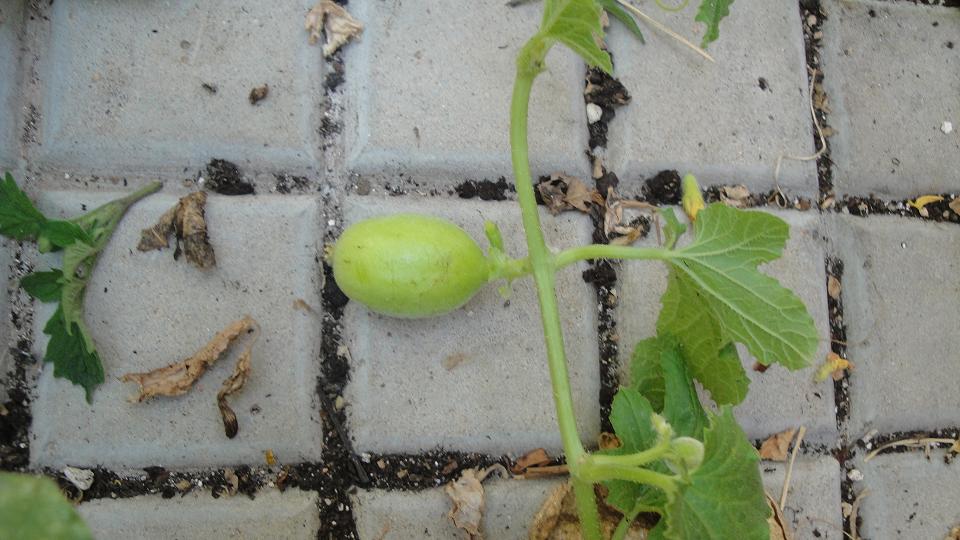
(70, 355)
(716, 365)
(724, 499)
(19, 219)
(44, 286)
(717, 274)
(711, 12)
(672, 228)
(613, 8)
(681, 405)
(32, 507)
(576, 24)
(61, 234)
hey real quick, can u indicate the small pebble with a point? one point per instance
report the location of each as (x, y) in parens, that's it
(855, 475)
(946, 127)
(594, 113)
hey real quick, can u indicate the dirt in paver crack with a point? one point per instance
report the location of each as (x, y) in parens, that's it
(224, 177)
(939, 211)
(485, 189)
(663, 188)
(607, 93)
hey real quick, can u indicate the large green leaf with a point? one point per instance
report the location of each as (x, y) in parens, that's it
(716, 365)
(32, 508)
(717, 273)
(681, 405)
(576, 24)
(72, 355)
(630, 416)
(646, 375)
(44, 286)
(19, 218)
(724, 499)
(711, 12)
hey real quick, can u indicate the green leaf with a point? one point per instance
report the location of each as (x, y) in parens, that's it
(614, 9)
(32, 508)
(576, 24)
(72, 357)
(44, 286)
(19, 219)
(681, 406)
(717, 366)
(630, 416)
(717, 274)
(711, 12)
(646, 374)
(672, 228)
(724, 499)
(62, 233)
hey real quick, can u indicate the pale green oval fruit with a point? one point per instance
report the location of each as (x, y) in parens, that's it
(409, 265)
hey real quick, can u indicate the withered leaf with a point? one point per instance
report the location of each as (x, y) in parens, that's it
(233, 383)
(834, 366)
(533, 458)
(833, 287)
(955, 205)
(177, 379)
(735, 196)
(562, 192)
(579, 195)
(778, 525)
(338, 25)
(557, 518)
(466, 493)
(776, 446)
(547, 517)
(609, 441)
(954, 533)
(233, 482)
(187, 222)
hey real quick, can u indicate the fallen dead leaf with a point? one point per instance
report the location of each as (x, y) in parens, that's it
(579, 196)
(614, 228)
(833, 366)
(776, 446)
(81, 478)
(269, 457)
(608, 441)
(735, 196)
(183, 485)
(258, 94)
(233, 483)
(833, 287)
(778, 526)
(955, 205)
(562, 192)
(338, 25)
(557, 518)
(954, 534)
(233, 383)
(920, 202)
(177, 379)
(547, 517)
(187, 223)
(466, 492)
(533, 458)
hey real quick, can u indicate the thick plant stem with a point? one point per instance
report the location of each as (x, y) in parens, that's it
(606, 251)
(542, 263)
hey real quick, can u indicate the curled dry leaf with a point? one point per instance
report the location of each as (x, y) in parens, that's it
(557, 518)
(338, 25)
(533, 458)
(466, 493)
(833, 366)
(735, 196)
(233, 383)
(954, 534)
(776, 446)
(547, 517)
(609, 441)
(187, 222)
(562, 192)
(233, 482)
(833, 287)
(177, 379)
(778, 525)
(955, 205)
(614, 227)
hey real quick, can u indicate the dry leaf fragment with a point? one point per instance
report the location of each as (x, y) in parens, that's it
(466, 493)
(533, 458)
(778, 525)
(233, 483)
(954, 534)
(833, 366)
(233, 383)
(735, 196)
(955, 205)
(833, 287)
(776, 446)
(258, 93)
(562, 192)
(920, 202)
(187, 222)
(177, 379)
(609, 441)
(546, 518)
(269, 458)
(338, 25)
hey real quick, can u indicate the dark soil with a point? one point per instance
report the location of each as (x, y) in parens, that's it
(288, 183)
(607, 93)
(663, 188)
(811, 11)
(939, 211)
(485, 189)
(224, 177)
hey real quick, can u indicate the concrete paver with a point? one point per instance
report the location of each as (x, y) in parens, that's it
(292, 514)
(146, 311)
(813, 503)
(901, 280)
(888, 112)
(394, 515)
(910, 497)
(123, 86)
(778, 398)
(726, 122)
(10, 23)
(433, 100)
(475, 379)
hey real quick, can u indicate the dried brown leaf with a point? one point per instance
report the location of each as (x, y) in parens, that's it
(834, 366)
(954, 534)
(233, 482)
(776, 446)
(233, 383)
(833, 287)
(546, 519)
(609, 441)
(466, 493)
(177, 379)
(557, 518)
(779, 530)
(533, 458)
(579, 195)
(338, 25)
(736, 196)
(258, 94)
(186, 220)
(955, 205)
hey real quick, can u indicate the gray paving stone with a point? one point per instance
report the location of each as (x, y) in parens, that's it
(888, 113)
(813, 503)
(778, 398)
(122, 86)
(146, 310)
(900, 285)
(10, 23)
(910, 497)
(714, 119)
(436, 103)
(475, 379)
(292, 514)
(395, 515)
